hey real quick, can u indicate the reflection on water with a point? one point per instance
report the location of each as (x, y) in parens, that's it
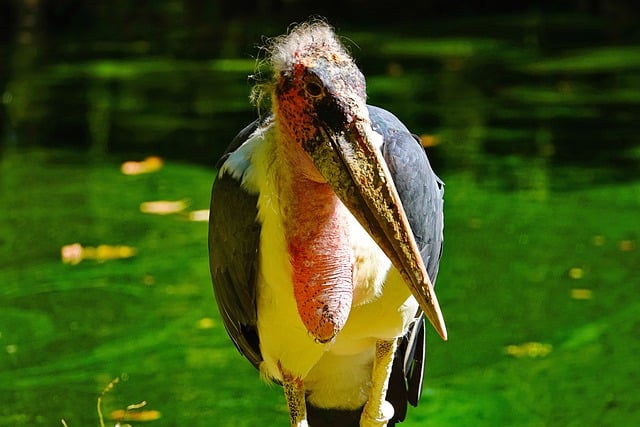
(502, 100)
(525, 121)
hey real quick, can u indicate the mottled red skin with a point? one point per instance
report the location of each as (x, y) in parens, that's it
(295, 109)
(315, 220)
(319, 250)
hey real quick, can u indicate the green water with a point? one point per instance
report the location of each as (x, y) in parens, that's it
(67, 330)
(538, 145)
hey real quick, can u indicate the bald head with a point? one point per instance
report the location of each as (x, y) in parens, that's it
(305, 44)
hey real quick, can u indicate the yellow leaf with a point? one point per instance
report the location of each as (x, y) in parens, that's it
(576, 273)
(141, 416)
(199, 216)
(626, 245)
(107, 252)
(206, 323)
(581, 293)
(150, 164)
(73, 254)
(528, 349)
(163, 207)
(429, 140)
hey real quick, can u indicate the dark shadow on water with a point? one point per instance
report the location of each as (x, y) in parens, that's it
(491, 92)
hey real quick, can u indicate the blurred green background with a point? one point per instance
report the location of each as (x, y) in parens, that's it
(531, 114)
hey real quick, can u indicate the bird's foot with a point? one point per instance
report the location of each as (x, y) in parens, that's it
(377, 418)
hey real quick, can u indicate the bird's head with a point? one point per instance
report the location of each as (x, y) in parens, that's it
(318, 96)
(317, 84)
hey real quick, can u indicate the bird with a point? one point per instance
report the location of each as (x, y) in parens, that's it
(325, 237)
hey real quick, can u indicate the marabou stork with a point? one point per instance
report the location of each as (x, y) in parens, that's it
(325, 236)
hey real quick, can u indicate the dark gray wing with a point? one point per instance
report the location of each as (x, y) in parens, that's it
(234, 236)
(421, 193)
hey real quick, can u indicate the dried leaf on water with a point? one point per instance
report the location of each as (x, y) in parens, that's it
(74, 253)
(528, 349)
(581, 294)
(201, 215)
(148, 165)
(135, 415)
(163, 207)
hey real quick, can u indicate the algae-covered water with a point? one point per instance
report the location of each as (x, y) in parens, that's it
(537, 142)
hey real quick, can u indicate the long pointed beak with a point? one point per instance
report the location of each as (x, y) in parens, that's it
(355, 169)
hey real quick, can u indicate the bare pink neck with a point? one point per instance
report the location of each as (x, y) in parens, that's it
(319, 248)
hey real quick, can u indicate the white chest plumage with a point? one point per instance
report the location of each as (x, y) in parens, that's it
(335, 373)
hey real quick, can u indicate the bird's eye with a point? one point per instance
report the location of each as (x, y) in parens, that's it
(313, 89)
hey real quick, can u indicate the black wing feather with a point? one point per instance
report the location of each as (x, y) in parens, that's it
(421, 193)
(234, 236)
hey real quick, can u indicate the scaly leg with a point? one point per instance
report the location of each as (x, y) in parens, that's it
(294, 393)
(377, 411)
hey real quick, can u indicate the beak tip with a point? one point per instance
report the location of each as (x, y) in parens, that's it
(437, 321)
(434, 314)
(443, 333)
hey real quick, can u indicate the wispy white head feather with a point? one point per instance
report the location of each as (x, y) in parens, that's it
(303, 44)
(307, 40)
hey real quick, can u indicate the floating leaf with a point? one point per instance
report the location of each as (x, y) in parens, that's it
(201, 215)
(206, 323)
(626, 245)
(429, 140)
(107, 252)
(576, 273)
(163, 207)
(148, 165)
(528, 349)
(73, 254)
(582, 294)
(598, 240)
(130, 414)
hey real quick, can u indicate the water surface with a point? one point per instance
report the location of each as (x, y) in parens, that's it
(537, 141)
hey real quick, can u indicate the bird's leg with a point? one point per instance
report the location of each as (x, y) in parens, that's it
(294, 393)
(377, 411)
